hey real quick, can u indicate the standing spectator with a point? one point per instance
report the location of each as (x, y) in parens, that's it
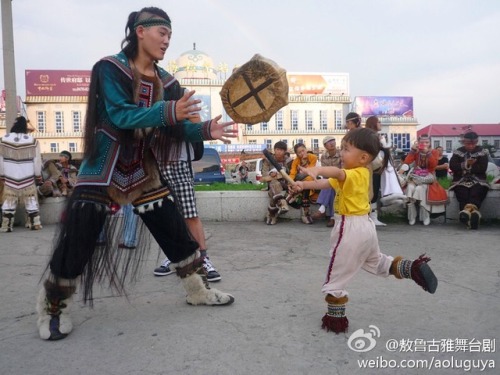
(352, 121)
(69, 172)
(304, 159)
(468, 164)
(136, 111)
(243, 172)
(442, 167)
(178, 174)
(277, 184)
(329, 158)
(20, 170)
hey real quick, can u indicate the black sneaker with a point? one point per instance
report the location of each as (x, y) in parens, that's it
(164, 269)
(212, 274)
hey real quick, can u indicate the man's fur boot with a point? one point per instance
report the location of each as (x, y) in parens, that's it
(470, 216)
(272, 215)
(283, 206)
(418, 270)
(306, 215)
(53, 304)
(7, 221)
(34, 222)
(194, 279)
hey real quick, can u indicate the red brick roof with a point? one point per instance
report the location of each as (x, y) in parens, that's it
(449, 130)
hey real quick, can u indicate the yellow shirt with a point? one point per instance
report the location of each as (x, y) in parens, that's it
(352, 195)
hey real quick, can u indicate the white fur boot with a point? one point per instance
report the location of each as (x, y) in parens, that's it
(412, 213)
(194, 279)
(425, 216)
(53, 305)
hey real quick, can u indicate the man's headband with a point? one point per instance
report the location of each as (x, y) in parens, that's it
(153, 22)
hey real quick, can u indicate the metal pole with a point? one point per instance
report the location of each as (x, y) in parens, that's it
(9, 65)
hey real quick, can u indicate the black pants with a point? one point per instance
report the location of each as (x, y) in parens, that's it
(376, 178)
(87, 215)
(474, 194)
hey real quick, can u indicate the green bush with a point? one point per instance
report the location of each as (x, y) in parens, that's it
(220, 186)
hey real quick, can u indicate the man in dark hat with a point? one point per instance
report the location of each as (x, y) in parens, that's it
(469, 164)
(20, 169)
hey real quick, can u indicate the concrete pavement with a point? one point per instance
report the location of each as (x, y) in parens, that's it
(275, 274)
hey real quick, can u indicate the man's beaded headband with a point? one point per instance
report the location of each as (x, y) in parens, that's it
(152, 22)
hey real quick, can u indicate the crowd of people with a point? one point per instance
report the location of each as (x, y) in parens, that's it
(140, 131)
(411, 184)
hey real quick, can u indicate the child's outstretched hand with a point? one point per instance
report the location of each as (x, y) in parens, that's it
(313, 171)
(295, 188)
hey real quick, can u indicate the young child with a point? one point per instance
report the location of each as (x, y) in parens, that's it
(354, 238)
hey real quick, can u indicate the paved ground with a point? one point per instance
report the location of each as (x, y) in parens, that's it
(275, 274)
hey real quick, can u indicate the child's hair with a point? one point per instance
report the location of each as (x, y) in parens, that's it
(367, 140)
(296, 147)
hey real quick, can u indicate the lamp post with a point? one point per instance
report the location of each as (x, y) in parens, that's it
(9, 70)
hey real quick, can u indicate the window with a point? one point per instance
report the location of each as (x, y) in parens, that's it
(263, 126)
(72, 147)
(59, 122)
(323, 120)
(279, 120)
(54, 147)
(77, 121)
(252, 141)
(449, 147)
(401, 141)
(294, 119)
(269, 144)
(309, 120)
(248, 127)
(496, 143)
(41, 121)
(436, 144)
(314, 144)
(485, 143)
(338, 120)
(298, 140)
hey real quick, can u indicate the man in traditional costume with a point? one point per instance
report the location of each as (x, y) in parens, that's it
(136, 111)
(20, 169)
(277, 184)
(468, 164)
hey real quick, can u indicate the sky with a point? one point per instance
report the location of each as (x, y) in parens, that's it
(443, 53)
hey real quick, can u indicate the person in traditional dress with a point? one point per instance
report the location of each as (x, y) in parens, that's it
(69, 172)
(424, 161)
(136, 112)
(468, 164)
(277, 185)
(21, 172)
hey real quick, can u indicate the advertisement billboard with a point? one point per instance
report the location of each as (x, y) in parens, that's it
(318, 84)
(57, 82)
(384, 106)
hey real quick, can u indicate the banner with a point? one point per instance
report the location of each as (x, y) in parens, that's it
(57, 82)
(384, 106)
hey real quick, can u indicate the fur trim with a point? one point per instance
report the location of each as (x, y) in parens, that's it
(335, 319)
(394, 267)
(199, 294)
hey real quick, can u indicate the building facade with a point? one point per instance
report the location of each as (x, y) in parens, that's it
(318, 103)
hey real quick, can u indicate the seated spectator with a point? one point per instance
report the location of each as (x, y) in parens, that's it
(50, 176)
(468, 165)
(306, 160)
(69, 172)
(277, 184)
(330, 158)
(418, 180)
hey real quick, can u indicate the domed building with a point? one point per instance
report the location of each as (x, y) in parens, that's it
(194, 64)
